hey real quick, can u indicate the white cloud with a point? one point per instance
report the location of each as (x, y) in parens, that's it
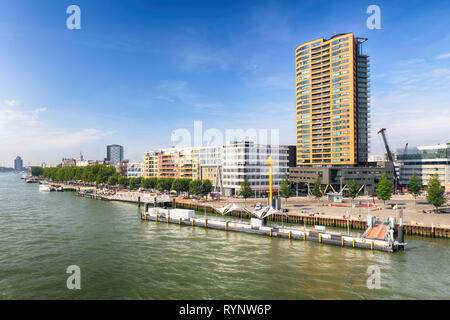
(23, 132)
(443, 56)
(11, 102)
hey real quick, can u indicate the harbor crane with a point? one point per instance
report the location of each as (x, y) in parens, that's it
(397, 183)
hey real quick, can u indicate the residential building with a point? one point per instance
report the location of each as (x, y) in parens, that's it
(151, 164)
(18, 164)
(114, 153)
(332, 91)
(169, 163)
(189, 168)
(425, 161)
(135, 169)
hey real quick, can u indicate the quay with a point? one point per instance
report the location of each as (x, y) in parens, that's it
(299, 218)
(377, 237)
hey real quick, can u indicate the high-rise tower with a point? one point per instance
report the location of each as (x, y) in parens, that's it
(332, 87)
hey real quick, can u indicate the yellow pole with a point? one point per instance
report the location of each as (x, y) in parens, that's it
(270, 182)
(342, 241)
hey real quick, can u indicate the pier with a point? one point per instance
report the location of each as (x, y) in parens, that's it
(303, 234)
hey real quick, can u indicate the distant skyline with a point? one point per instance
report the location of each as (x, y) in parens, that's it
(137, 70)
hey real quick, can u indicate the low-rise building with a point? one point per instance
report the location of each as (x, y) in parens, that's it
(425, 161)
(336, 177)
(135, 169)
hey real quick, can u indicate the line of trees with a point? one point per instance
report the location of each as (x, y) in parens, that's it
(103, 174)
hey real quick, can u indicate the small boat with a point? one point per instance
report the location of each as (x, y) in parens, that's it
(45, 188)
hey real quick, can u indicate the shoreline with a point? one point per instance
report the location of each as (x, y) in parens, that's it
(307, 217)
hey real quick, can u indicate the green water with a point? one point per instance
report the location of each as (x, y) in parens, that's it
(122, 257)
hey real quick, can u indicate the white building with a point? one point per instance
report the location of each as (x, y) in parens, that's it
(135, 169)
(230, 164)
(425, 161)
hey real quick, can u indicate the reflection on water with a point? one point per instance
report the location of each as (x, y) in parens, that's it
(122, 257)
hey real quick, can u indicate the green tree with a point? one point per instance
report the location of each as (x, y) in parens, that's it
(246, 190)
(206, 186)
(286, 188)
(113, 180)
(317, 189)
(134, 183)
(384, 189)
(123, 182)
(414, 186)
(435, 193)
(196, 187)
(37, 171)
(177, 185)
(353, 189)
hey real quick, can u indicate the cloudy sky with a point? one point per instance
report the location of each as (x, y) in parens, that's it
(137, 70)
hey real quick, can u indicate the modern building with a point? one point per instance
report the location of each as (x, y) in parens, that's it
(335, 178)
(425, 161)
(332, 91)
(210, 164)
(114, 153)
(246, 159)
(135, 169)
(18, 164)
(68, 162)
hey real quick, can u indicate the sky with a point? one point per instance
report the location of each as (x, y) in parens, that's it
(137, 70)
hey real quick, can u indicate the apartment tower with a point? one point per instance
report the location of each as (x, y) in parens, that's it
(332, 87)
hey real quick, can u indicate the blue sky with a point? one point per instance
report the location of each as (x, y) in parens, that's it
(137, 70)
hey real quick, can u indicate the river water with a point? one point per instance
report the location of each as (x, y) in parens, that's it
(123, 257)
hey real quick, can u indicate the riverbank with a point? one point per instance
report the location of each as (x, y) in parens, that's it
(305, 210)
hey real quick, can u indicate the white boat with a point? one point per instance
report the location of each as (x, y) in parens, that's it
(45, 188)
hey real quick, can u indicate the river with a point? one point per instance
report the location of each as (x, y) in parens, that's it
(123, 257)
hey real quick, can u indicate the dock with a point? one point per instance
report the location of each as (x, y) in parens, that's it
(292, 233)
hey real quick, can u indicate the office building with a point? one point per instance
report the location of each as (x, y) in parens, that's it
(114, 153)
(332, 99)
(425, 161)
(18, 164)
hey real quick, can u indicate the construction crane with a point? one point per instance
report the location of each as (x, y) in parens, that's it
(397, 184)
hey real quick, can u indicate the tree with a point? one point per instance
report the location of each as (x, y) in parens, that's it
(195, 187)
(435, 193)
(123, 182)
(286, 188)
(246, 190)
(113, 180)
(317, 189)
(206, 186)
(37, 171)
(353, 189)
(134, 183)
(177, 185)
(414, 186)
(384, 188)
